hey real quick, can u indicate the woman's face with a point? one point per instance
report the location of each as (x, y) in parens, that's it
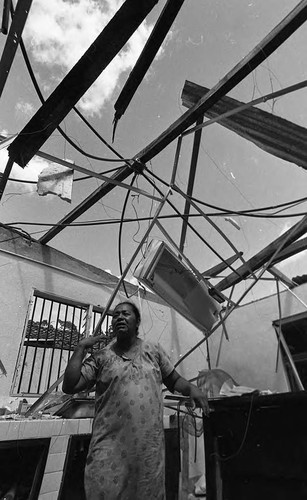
(124, 322)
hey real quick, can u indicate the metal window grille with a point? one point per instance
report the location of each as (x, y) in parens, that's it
(53, 329)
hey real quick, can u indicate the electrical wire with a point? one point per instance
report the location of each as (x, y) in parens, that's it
(227, 211)
(103, 222)
(237, 452)
(121, 231)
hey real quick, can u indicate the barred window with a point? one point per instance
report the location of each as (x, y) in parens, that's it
(54, 326)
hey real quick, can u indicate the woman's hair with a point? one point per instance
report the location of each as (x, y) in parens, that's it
(133, 307)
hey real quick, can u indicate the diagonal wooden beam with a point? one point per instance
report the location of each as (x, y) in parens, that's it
(219, 268)
(281, 276)
(271, 42)
(13, 38)
(154, 42)
(5, 16)
(79, 79)
(191, 180)
(273, 134)
(293, 249)
(264, 255)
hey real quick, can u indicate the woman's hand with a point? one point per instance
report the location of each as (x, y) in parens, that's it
(185, 388)
(199, 398)
(88, 342)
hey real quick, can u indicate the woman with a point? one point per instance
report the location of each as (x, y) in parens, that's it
(126, 454)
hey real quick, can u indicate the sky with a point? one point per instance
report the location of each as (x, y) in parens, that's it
(206, 41)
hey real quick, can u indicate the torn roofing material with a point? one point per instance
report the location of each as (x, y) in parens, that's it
(273, 134)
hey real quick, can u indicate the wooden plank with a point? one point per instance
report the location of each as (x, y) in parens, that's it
(281, 276)
(293, 249)
(191, 180)
(79, 79)
(219, 268)
(5, 16)
(264, 255)
(154, 42)
(273, 134)
(13, 38)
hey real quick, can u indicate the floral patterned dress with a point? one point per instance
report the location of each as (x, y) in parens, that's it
(126, 454)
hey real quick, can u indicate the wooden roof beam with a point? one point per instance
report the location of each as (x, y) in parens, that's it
(219, 268)
(13, 38)
(293, 249)
(154, 42)
(264, 255)
(110, 41)
(281, 276)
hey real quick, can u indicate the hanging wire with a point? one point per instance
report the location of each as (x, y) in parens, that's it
(279, 323)
(120, 231)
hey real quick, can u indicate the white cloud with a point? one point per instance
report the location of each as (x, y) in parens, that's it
(25, 108)
(29, 173)
(60, 31)
(286, 226)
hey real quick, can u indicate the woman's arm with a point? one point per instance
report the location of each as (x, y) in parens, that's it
(177, 383)
(73, 380)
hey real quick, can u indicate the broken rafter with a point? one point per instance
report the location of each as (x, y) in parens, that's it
(79, 79)
(13, 38)
(293, 249)
(153, 44)
(269, 132)
(5, 16)
(264, 255)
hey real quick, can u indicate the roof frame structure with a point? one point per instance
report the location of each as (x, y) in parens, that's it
(265, 48)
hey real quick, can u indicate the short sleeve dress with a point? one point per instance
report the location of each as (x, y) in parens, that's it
(126, 454)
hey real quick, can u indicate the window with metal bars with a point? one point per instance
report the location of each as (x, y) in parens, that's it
(53, 328)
